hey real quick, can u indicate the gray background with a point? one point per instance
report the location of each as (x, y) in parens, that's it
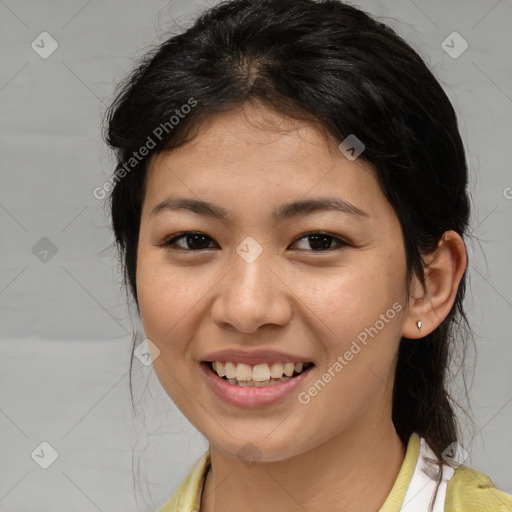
(65, 327)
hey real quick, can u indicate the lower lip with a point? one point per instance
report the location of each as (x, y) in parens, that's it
(252, 397)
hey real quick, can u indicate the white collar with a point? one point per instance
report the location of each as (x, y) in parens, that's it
(420, 492)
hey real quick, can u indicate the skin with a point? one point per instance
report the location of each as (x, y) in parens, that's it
(340, 451)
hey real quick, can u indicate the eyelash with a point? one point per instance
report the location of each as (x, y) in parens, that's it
(170, 243)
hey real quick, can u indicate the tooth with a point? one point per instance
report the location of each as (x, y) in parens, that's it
(261, 372)
(258, 373)
(276, 370)
(230, 370)
(288, 369)
(220, 369)
(243, 371)
(284, 379)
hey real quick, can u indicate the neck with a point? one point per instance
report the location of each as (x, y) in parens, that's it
(353, 471)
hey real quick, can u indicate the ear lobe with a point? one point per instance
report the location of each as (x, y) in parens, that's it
(430, 303)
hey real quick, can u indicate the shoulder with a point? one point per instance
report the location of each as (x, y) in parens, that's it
(470, 490)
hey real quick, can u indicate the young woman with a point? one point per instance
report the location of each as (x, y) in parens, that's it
(290, 207)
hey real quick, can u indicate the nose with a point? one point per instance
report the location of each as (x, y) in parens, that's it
(252, 295)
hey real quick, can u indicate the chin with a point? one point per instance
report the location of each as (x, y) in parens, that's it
(260, 450)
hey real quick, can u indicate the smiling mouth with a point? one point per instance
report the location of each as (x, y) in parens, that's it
(258, 375)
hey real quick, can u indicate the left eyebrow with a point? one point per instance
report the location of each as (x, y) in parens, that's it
(284, 211)
(289, 210)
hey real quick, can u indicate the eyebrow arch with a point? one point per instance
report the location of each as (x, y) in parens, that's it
(284, 211)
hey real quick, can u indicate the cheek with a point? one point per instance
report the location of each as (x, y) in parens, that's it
(357, 316)
(348, 301)
(360, 330)
(155, 299)
(166, 296)
(166, 304)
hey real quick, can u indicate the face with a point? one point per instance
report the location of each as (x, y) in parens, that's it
(274, 285)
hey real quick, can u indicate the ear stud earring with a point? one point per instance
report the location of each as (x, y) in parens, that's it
(419, 324)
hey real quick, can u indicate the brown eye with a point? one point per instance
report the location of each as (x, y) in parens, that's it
(192, 241)
(319, 242)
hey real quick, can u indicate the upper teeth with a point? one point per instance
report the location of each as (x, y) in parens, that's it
(258, 372)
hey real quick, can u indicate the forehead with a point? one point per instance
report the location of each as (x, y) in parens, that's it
(260, 129)
(259, 152)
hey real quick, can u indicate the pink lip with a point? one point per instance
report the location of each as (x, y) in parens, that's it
(255, 356)
(251, 397)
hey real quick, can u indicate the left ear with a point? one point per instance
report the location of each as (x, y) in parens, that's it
(431, 303)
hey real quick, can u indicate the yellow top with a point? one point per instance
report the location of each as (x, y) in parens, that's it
(468, 490)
